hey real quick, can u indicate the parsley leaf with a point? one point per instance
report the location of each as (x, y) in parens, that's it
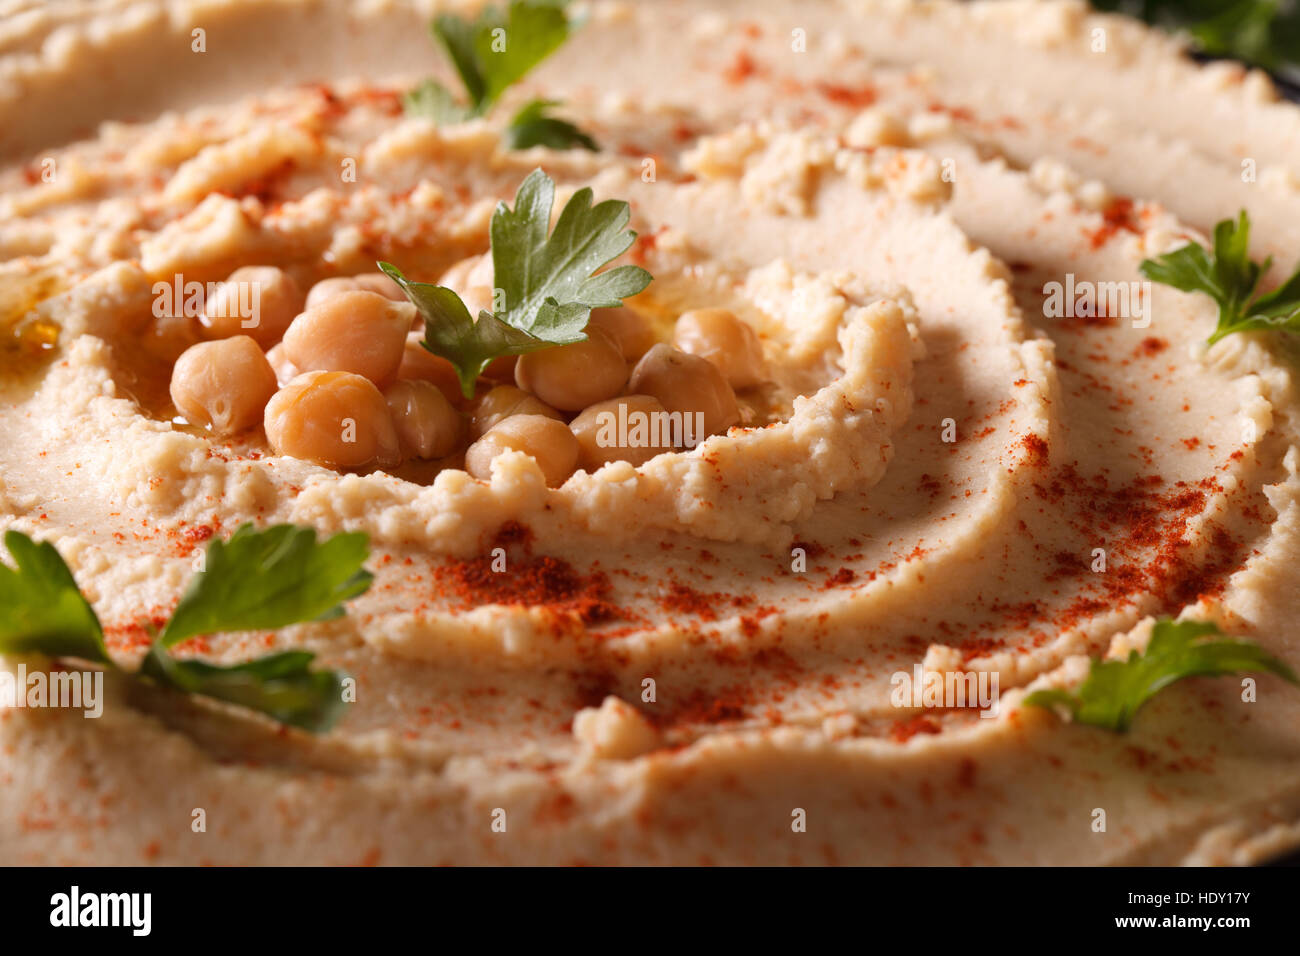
(549, 285)
(269, 579)
(457, 37)
(467, 342)
(532, 126)
(278, 685)
(435, 101)
(258, 579)
(506, 50)
(1227, 274)
(1243, 29)
(490, 54)
(494, 51)
(1115, 690)
(41, 607)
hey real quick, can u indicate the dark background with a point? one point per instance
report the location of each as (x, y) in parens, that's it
(1264, 33)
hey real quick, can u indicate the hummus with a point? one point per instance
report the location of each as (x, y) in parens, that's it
(970, 466)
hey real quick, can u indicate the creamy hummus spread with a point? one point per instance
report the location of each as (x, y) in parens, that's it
(983, 446)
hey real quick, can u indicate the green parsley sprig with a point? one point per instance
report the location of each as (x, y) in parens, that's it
(1115, 690)
(1227, 274)
(258, 579)
(547, 286)
(533, 126)
(490, 54)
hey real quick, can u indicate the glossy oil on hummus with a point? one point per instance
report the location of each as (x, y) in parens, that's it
(692, 661)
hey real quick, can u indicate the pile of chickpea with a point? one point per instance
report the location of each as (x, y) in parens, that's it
(339, 377)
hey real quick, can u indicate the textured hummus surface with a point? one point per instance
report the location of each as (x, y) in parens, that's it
(685, 658)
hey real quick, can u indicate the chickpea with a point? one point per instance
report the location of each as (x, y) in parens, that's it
(482, 272)
(360, 332)
(502, 402)
(688, 384)
(550, 443)
(327, 288)
(285, 371)
(501, 369)
(571, 377)
(336, 419)
(597, 430)
(382, 284)
(725, 340)
(257, 301)
(377, 282)
(223, 385)
(420, 364)
(469, 272)
(456, 274)
(427, 426)
(168, 336)
(629, 330)
(478, 298)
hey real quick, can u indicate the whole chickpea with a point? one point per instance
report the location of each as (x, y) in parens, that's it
(502, 402)
(478, 298)
(285, 371)
(597, 430)
(501, 369)
(550, 443)
(257, 301)
(359, 332)
(419, 363)
(376, 282)
(427, 426)
(336, 419)
(223, 385)
(166, 337)
(571, 377)
(482, 272)
(688, 384)
(326, 288)
(468, 272)
(731, 344)
(629, 330)
(455, 275)
(381, 284)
